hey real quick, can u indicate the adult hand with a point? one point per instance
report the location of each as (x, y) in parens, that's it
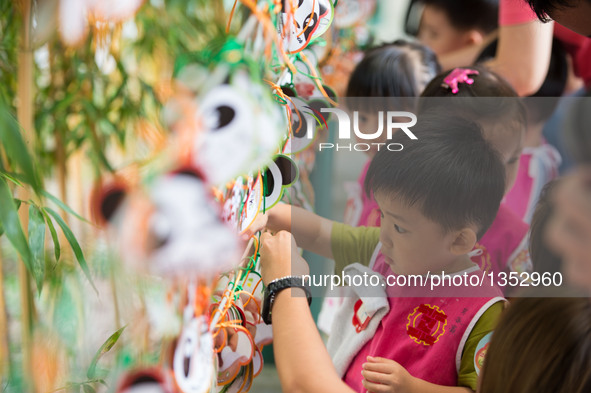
(280, 257)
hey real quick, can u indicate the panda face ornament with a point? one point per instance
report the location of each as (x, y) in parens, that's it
(242, 123)
(297, 32)
(180, 229)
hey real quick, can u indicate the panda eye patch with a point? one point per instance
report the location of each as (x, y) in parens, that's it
(225, 115)
(160, 231)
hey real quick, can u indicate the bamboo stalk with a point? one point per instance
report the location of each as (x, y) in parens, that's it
(25, 97)
(62, 172)
(4, 339)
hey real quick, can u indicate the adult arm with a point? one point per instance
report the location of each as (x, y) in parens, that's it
(311, 231)
(523, 50)
(302, 361)
(523, 55)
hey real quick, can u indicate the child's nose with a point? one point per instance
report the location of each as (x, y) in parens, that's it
(385, 239)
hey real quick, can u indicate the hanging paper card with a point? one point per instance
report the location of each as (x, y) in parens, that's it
(298, 23)
(225, 146)
(281, 173)
(253, 204)
(187, 235)
(304, 120)
(234, 203)
(237, 352)
(257, 363)
(326, 14)
(173, 229)
(193, 361)
(242, 126)
(145, 380)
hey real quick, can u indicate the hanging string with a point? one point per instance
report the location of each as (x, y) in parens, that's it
(309, 19)
(269, 28)
(231, 16)
(317, 79)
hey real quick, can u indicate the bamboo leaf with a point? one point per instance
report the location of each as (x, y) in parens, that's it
(11, 178)
(16, 148)
(37, 244)
(56, 241)
(88, 389)
(106, 347)
(63, 206)
(73, 243)
(12, 225)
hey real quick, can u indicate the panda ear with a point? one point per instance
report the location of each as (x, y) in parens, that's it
(106, 200)
(316, 104)
(330, 92)
(288, 91)
(189, 171)
(288, 169)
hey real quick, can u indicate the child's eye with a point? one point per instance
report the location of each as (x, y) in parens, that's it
(399, 229)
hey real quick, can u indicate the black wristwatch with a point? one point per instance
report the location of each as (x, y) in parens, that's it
(277, 286)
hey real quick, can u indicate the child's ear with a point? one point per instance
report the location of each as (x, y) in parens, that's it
(473, 37)
(464, 241)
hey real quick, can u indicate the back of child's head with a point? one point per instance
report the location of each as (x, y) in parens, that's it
(481, 15)
(496, 101)
(480, 95)
(450, 173)
(543, 259)
(398, 69)
(541, 345)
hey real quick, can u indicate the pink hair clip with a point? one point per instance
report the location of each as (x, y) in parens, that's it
(457, 76)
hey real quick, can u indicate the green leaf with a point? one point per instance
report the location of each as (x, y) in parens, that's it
(73, 243)
(11, 178)
(106, 347)
(63, 206)
(37, 244)
(88, 389)
(16, 148)
(56, 241)
(12, 225)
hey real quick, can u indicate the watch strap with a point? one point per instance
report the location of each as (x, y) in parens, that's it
(276, 286)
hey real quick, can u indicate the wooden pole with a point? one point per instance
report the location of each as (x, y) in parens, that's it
(25, 100)
(4, 349)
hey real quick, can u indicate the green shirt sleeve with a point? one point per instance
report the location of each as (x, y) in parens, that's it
(352, 244)
(467, 376)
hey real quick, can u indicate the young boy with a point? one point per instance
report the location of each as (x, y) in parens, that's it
(449, 25)
(437, 196)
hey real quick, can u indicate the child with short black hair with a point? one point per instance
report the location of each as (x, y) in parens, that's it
(437, 196)
(449, 25)
(396, 72)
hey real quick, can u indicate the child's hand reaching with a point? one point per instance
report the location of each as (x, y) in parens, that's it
(259, 223)
(386, 376)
